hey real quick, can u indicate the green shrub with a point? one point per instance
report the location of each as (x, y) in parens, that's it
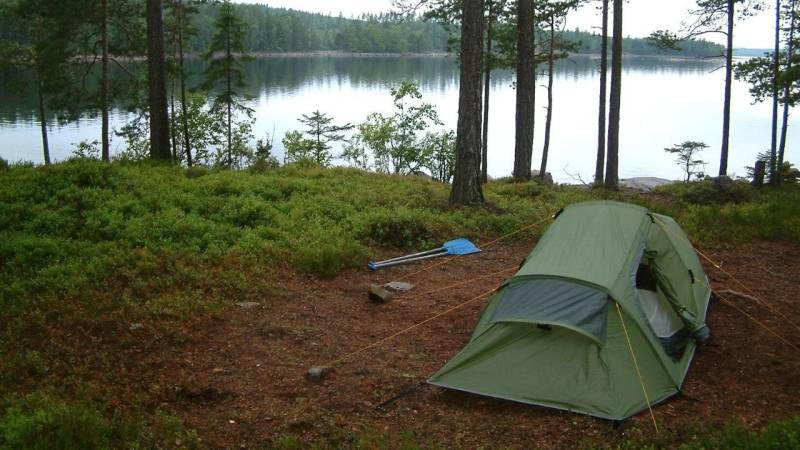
(66, 228)
(44, 423)
(325, 250)
(710, 192)
(3, 164)
(197, 172)
(776, 216)
(735, 436)
(405, 229)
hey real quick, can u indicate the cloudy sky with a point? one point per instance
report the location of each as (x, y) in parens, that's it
(641, 16)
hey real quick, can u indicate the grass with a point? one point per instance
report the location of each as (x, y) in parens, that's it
(41, 421)
(777, 435)
(88, 244)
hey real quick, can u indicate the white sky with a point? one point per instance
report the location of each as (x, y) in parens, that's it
(641, 17)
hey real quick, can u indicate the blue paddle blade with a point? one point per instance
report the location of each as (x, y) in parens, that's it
(460, 247)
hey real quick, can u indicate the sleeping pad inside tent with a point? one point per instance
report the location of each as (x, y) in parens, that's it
(557, 334)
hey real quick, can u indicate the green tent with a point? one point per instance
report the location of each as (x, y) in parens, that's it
(557, 334)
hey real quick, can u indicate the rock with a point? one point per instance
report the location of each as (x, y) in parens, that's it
(136, 326)
(379, 295)
(548, 177)
(723, 181)
(421, 174)
(645, 184)
(399, 286)
(318, 373)
(248, 305)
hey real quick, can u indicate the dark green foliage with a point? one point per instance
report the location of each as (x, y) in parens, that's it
(778, 435)
(685, 157)
(315, 148)
(3, 164)
(404, 229)
(41, 421)
(286, 30)
(224, 55)
(710, 192)
(722, 210)
(758, 73)
(224, 76)
(391, 144)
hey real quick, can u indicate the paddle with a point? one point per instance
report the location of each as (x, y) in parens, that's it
(455, 247)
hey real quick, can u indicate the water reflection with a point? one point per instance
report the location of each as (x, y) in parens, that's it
(665, 101)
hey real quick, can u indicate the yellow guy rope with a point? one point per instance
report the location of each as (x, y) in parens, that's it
(636, 364)
(461, 283)
(755, 295)
(758, 322)
(387, 338)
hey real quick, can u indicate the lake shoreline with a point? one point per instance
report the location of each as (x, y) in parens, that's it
(402, 55)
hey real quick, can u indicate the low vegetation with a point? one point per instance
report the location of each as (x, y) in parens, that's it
(88, 244)
(734, 436)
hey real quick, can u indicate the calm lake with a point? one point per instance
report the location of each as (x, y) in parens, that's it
(664, 102)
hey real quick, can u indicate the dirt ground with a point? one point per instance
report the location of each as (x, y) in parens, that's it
(239, 378)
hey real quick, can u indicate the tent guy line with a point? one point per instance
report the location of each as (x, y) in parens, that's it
(446, 288)
(638, 371)
(549, 216)
(417, 325)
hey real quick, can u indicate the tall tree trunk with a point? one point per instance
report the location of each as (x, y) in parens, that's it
(156, 71)
(182, 74)
(600, 167)
(486, 91)
(104, 82)
(788, 86)
(172, 122)
(526, 88)
(229, 58)
(467, 181)
(43, 122)
(774, 178)
(549, 120)
(726, 112)
(612, 159)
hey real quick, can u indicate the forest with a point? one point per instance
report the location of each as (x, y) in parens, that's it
(276, 30)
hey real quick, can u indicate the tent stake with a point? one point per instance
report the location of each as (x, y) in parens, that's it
(405, 393)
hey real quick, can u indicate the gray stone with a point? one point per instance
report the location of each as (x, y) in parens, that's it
(318, 373)
(399, 286)
(136, 326)
(645, 184)
(248, 305)
(379, 295)
(548, 177)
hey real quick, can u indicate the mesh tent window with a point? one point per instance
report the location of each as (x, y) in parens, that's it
(558, 303)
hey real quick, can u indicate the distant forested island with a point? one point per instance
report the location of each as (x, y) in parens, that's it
(278, 30)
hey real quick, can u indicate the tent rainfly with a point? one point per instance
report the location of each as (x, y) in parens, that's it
(606, 278)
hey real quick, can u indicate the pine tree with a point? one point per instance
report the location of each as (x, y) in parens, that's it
(156, 75)
(467, 188)
(44, 51)
(225, 77)
(526, 89)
